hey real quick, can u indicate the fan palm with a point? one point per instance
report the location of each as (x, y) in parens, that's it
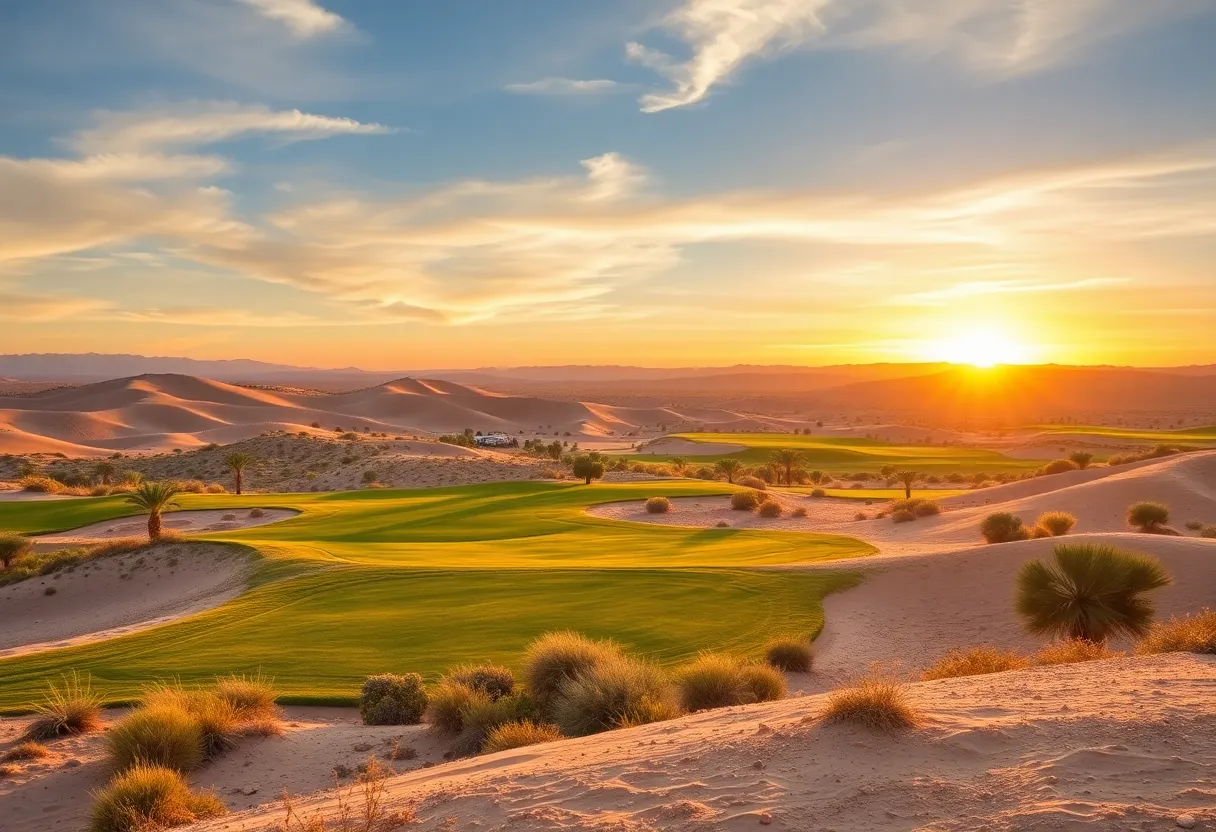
(154, 498)
(729, 468)
(237, 463)
(787, 459)
(1091, 592)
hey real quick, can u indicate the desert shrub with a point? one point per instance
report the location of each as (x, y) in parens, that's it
(762, 683)
(162, 735)
(149, 797)
(1208, 532)
(799, 512)
(1003, 527)
(556, 658)
(520, 734)
(752, 482)
(1056, 523)
(1081, 459)
(1071, 651)
(745, 500)
(722, 524)
(40, 484)
(482, 715)
(770, 508)
(1194, 525)
(712, 680)
(975, 661)
(27, 750)
(1038, 533)
(902, 515)
(615, 692)
(818, 493)
(215, 488)
(12, 547)
(70, 707)
(875, 703)
(491, 679)
(861, 515)
(1188, 634)
(1057, 466)
(446, 703)
(389, 699)
(658, 505)
(1147, 516)
(256, 512)
(926, 508)
(250, 697)
(793, 655)
(101, 491)
(190, 486)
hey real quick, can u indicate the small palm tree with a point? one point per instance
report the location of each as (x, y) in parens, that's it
(104, 471)
(907, 478)
(786, 460)
(237, 463)
(154, 498)
(729, 468)
(1091, 592)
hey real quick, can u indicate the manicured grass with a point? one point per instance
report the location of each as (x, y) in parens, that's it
(393, 581)
(878, 493)
(1187, 436)
(834, 454)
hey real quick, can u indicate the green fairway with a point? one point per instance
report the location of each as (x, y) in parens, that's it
(378, 580)
(837, 455)
(1188, 436)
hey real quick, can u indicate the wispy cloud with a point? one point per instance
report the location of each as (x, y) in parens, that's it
(304, 18)
(18, 306)
(999, 37)
(563, 86)
(942, 297)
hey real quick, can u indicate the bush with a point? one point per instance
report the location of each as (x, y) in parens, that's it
(1071, 651)
(615, 692)
(799, 512)
(519, 734)
(1003, 527)
(874, 703)
(745, 500)
(250, 697)
(926, 508)
(1056, 523)
(556, 658)
(1147, 516)
(658, 505)
(148, 797)
(861, 515)
(770, 509)
(256, 512)
(1188, 634)
(447, 702)
(1208, 532)
(1193, 525)
(25, 751)
(389, 699)
(818, 493)
(902, 515)
(1057, 466)
(40, 484)
(215, 488)
(69, 708)
(491, 679)
(482, 715)
(14, 547)
(752, 482)
(976, 661)
(712, 680)
(1081, 459)
(1039, 533)
(792, 655)
(161, 735)
(762, 683)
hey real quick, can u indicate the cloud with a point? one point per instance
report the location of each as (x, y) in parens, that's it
(941, 297)
(17, 306)
(612, 176)
(304, 18)
(563, 86)
(202, 123)
(997, 37)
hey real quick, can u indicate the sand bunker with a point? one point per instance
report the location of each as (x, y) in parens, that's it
(186, 522)
(116, 595)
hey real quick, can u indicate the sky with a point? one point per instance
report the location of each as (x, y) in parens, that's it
(465, 183)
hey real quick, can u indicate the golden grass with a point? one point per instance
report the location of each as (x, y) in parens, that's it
(555, 658)
(1071, 651)
(875, 703)
(974, 661)
(27, 750)
(161, 734)
(1056, 523)
(616, 692)
(362, 807)
(520, 734)
(251, 697)
(658, 505)
(793, 655)
(1194, 633)
(149, 797)
(69, 708)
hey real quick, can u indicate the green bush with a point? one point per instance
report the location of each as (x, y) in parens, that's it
(1147, 516)
(556, 658)
(1056, 523)
(770, 509)
(389, 699)
(491, 679)
(520, 734)
(745, 500)
(616, 692)
(149, 797)
(792, 655)
(1003, 527)
(658, 505)
(160, 735)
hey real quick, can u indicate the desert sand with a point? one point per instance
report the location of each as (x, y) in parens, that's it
(183, 522)
(113, 596)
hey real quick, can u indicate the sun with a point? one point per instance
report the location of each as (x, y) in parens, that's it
(980, 348)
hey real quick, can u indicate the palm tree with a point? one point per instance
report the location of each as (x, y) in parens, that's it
(154, 498)
(104, 471)
(786, 459)
(237, 463)
(729, 468)
(907, 478)
(1091, 592)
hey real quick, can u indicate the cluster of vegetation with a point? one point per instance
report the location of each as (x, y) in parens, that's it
(1007, 527)
(1157, 452)
(913, 508)
(21, 562)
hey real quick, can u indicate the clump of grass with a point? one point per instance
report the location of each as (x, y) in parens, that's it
(799, 512)
(902, 515)
(753, 483)
(975, 661)
(1194, 525)
(861, 515)
(27, 750)
(68, 708)
(1208, 532)
(520, 734)
(482, 715)
(161, 735)
(215, 716)
(658, 505)
(149, 797)
(875, 703)
(389, 699)
(446, 704)
(818, 493)
(557, 658)
(256, 512)
(1073, 650)
(792, 655)
(250, 697)
(1057, 466)
(40, 485)
(745, 500)
(1148, 517)
(13, 547)
(492, 679)
(762, 683)
(1056, 523)
(1003, 527)
(712, 680)
(616, 692)
(1188, 634)
(770, 509)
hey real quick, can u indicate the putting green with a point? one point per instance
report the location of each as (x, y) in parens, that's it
(374, 581)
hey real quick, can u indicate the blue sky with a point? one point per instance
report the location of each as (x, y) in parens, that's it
(408, 184)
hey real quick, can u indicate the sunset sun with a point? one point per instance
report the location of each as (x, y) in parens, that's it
(980, 348)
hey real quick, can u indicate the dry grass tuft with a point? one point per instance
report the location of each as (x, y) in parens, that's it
(975, 661)
(362, 807)
(616, 692)
(1189, 634)
(27, 750)
(494, 680)
(875, 703)
(658, 505)
(70, 708)
(770, 509)
(1071, 651)
(1056, 523)
(160, 734)
(446, 703)
(520, 734)
(250, 697)
(745, 500)
(556, 658)
(792, 655)
(149, 797)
